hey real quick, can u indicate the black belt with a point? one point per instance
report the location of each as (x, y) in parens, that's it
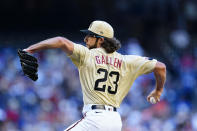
(102, 107)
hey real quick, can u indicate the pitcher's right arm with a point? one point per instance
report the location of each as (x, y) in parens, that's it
(160, 76)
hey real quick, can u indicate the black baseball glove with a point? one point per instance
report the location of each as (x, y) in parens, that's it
(29, 64)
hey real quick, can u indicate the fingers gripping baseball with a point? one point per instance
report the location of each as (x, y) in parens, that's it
(154, 97)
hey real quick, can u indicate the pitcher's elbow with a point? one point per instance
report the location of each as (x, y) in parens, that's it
(60, 39)
(160, 67)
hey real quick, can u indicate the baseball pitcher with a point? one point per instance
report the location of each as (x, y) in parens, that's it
(105, 75)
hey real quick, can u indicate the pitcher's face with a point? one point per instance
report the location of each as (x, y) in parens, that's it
(90, 41)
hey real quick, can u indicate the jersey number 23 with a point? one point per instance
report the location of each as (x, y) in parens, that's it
(109, 88)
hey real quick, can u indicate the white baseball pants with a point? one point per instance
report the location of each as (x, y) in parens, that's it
(97, 120)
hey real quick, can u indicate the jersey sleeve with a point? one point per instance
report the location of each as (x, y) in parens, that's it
(79, 54)
(141, 65)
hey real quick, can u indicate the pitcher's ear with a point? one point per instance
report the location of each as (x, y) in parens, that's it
(102, 39)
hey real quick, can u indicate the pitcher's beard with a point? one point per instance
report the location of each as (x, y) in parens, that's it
(93, 46)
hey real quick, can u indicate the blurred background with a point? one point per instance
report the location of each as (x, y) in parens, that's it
(162, 29)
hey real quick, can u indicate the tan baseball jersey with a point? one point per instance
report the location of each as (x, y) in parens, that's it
(106, 78)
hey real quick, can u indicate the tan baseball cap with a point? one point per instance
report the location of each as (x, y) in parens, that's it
(100, 28)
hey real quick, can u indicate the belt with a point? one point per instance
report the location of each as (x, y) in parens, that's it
(103, 107)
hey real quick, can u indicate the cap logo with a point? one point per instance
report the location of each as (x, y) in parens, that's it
(101, 32)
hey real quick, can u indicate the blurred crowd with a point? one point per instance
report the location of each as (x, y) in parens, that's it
(55, 101)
